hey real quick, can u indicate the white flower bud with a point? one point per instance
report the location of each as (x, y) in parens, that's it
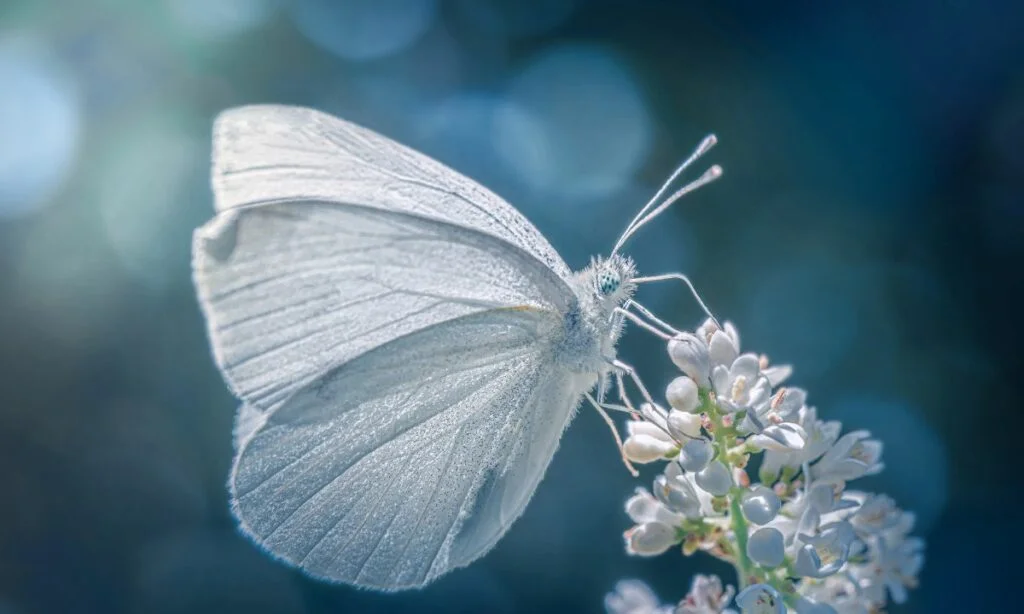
(682, 394)
(723, 349)
(695, 454)
(644, 448)
(715, 479)
(760, 599)
(683, 426)
(766, 547)
(760, 504)
(647, 427)
(642, 507)
(690, 354)
(650, 539)
(653, 413)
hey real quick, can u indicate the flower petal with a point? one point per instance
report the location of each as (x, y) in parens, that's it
(642, 507)
(747, 365)
(765, 547)
(690, 354)
(715, 479)
(683, 426)
(760, 599)
(760, 504)
(722, 349)
(695, 454)
(777, 374)
(785, 437)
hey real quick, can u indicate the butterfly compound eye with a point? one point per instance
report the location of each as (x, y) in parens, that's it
(608, 281)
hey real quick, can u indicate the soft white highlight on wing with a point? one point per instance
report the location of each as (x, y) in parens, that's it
(412, 459)
(272, 152)
(293, 290)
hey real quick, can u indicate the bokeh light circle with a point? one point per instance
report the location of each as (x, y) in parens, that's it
(222, 18)
(152, 193)
(364, 29)
(576, 124)
(514, 19)
(458, 131)
(39, 126)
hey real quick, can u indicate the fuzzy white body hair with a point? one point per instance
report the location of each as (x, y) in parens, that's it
(591, 329)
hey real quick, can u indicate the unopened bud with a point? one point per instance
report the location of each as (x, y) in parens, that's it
(682, 394)
(649, 539)
(690, 354)
(682, 425)
(643, 448)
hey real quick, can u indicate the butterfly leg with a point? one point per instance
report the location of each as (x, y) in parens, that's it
(620, 368)
(620, 386)
(615, 433)
(665, 326)
(685, 280)
(642, 323)
(631, 372)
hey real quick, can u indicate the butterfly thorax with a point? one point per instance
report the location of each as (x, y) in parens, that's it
(591, 328)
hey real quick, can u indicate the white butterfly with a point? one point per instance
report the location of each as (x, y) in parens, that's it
(407, 346)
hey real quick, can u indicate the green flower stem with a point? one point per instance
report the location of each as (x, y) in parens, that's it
(739, 527)
(724, 438)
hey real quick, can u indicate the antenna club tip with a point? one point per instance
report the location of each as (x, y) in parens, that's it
(714, 172)
(706, 144)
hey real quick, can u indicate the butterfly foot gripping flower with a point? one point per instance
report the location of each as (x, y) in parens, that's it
(798, 539)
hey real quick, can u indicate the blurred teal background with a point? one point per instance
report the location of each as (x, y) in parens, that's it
(869, 230)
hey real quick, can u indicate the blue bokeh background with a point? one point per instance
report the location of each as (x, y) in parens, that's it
(869, 230)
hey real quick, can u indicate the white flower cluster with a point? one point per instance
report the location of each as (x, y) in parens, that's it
(800, 542)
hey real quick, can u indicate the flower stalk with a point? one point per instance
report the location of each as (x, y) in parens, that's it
(744, 571)
(799, 541)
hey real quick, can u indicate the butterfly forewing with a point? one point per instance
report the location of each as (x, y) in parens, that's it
(291, 290)
(274, 152)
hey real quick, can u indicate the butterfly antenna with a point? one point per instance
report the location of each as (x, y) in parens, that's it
(705, 146)
(709, 175)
